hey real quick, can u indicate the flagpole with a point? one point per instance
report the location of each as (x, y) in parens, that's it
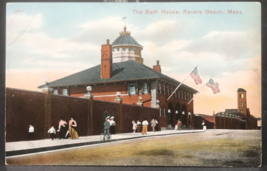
(198, 91)
(180, 84)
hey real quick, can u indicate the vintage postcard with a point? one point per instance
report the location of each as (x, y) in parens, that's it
(136, 84)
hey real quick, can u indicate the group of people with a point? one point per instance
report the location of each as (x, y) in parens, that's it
(64, 130)
(137, 125)
(109, 127)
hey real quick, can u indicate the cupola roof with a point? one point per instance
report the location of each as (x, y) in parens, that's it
(125, 38)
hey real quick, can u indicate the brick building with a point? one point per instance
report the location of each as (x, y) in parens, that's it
(123, 73)
(239, 118)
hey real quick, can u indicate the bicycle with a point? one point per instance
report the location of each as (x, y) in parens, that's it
(102, 136)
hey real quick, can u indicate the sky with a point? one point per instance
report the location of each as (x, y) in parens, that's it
(48, 41)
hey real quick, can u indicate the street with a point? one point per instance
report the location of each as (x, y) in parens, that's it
(222, 148)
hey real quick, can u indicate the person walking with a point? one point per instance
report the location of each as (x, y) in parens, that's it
(144, 123)
(153, 124)
(52, 132)
(138, 124)
(72, 129)
(106, 129)
(62, 128)
(112, 125)
(134, 126)
(179, 124)
(31, 133)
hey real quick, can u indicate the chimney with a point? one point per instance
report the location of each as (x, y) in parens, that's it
(106, 60)
(157, 67)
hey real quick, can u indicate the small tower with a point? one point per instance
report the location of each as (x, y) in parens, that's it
(242, 101)
(126, 48)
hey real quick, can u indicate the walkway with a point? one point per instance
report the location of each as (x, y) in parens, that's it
(26, 147)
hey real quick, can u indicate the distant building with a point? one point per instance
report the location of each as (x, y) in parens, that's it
(242, 114)
(122, 70)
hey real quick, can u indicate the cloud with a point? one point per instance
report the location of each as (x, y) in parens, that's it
(96, 32)
(161, 32)
(17, 24)
(231, 44)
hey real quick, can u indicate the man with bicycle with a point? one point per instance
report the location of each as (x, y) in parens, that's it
(106, 129)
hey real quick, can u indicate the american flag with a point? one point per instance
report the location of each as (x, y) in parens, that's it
(214, 86)
(196, 77)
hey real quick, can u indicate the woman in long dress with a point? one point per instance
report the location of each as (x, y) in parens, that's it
(112, 125)
(72, 129)
(144, 123)
(62, 128)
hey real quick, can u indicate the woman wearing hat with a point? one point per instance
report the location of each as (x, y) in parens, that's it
(112, 125)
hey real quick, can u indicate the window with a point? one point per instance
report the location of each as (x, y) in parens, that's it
(241, 95)
(168, 91)
(159, 89)
(118, 49)
(55, 91)
(179, 96)
(160, 112)
(182, 95)
(130, 49)
(164, 112)
(164, 90)
(124, 49)
(65, 92)
(113, 49)
(187, 96)
(144, 89)
(132, 89)
(134, 49)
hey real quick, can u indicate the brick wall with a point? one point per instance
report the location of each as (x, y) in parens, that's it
(44, 110)
(24, 108)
